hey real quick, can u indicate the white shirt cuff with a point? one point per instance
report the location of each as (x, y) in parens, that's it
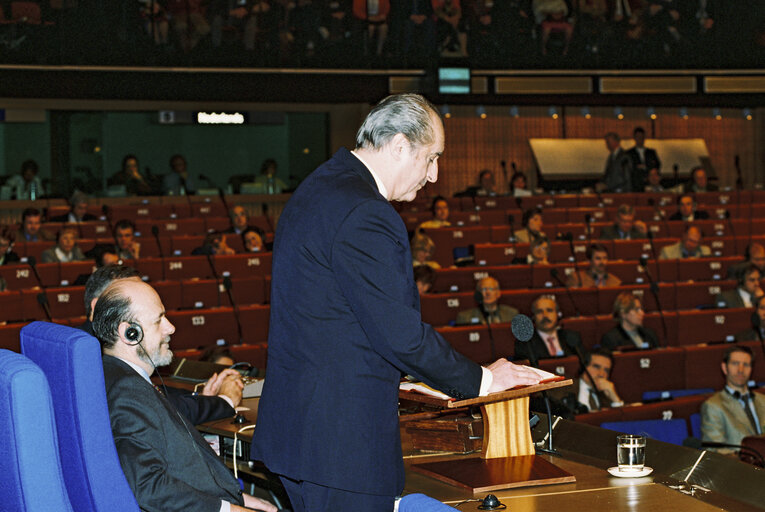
(486, 380)
(225, 506)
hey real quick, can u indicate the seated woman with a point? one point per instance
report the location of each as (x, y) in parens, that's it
(518, 185)
(253, 240)
(218, 354)
(629, 332)
(214, 244)
(539, 253)
(440, 209)
(66, 249)
(532, 227)
(422, 251)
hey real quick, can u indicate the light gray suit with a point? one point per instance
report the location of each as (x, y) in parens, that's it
(723, 419)
(675, 252)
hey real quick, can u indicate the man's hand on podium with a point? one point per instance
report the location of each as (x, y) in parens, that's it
(506, 375)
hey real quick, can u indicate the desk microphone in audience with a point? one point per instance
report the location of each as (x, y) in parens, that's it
(579, 355)
(556, 275)
(42, 298)
(523, 330)
(695, 442)
(503, 165)
(654, 287)
(479, 300)
(730, 223)
(227, 285)
(658, 212)
(155, 232)
(588, 227)
(676, 174)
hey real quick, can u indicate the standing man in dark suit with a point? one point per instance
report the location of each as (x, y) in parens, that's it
(549, 339)
(619, 173)
(167, 463)
(345, 320)
(644, 160)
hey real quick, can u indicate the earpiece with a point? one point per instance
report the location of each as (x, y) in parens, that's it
(134, 333)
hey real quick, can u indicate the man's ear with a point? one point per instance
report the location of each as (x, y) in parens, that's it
(724, 368)
(398, 145)
(121, 328)
(92, 307)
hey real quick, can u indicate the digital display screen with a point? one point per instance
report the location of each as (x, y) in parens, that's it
(454, 80)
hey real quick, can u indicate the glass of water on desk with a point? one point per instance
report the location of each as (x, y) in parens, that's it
(630, 452)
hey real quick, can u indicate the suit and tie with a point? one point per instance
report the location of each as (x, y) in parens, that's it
(724, 419)
(612, 232)
(731, 299)
(538, 347)
(619, 172)
(642, 164)
(618, 338)
(676, 252)
(345, 324)
(697, 215)
(167, 463)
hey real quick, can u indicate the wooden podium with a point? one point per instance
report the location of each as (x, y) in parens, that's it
(508, 456)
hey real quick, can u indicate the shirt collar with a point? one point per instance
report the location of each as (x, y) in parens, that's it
(137, 368)
(380, 185)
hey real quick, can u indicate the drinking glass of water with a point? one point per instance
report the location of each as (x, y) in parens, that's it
(630, 452)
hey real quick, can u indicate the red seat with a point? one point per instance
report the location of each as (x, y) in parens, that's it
(254, 320)
(139, 212)
(541, 275)
(694, 295)
(630, 272)
(561, 251)
(666, 293)
(94, 229)
(255, 354)
(487, 203)
(217, 224)
(206, 206)
(10, 306)
(544, 201)
(452, 280)
(183, 245)
(705, 269)
(18, 276)
(587, 327)
(151, 269)
(244, 265)
(245, 290)
(9, 336)
(598, 417)
(203, 327)
(170, 293)
(498, 254)
(187, 267)
(565, 366)
(636, 249)
(441, 309)
(633, 371)
(446, 239)
(69, 272)
(475, 342)
(711, 326)
(595, 214)
(33, 249)
(30, 305)
(702, 366)
(167, 228)
(200, 293)
(65, 302)
(654, 321)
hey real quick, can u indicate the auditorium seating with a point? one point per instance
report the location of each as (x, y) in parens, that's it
(479, 344)
(668, 431)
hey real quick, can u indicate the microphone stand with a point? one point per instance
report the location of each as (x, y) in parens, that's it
(549, 450)
(576, 348)
(569, 237)
(554, 273)
(485, 316)
(649, 234)
(42, 298)
(217, 278)
(227, 285)
(654, 287)
(155, 232)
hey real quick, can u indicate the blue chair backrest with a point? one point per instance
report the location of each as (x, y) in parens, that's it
(71, 359)
(673, 393)
(32, 480)
(696, 425)
(669, 431)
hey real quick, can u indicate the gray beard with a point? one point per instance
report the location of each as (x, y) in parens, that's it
(157, 358)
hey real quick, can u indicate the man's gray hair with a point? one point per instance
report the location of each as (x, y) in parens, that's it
(408, 114)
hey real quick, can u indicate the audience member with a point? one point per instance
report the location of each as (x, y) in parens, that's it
(135, 183)
(532, 227)
(214, 245)
(654, 181)
(625, 227)
(539, 253)
(159, 449)
(253, 240)
(448, 22)
(27, 184)
(619, 172)
(757, 331)
(440, 209)
(218, 354)
(239, 220)
(30, 229)
(188, 21)
(644, 160)
(689, 246)
(585, 396)
(552, 16)
(733, 413)
(487, 294)
(747, 291)
(597, 274)
(268, 180)
(686, 209)
(3, 284)
(486, 186)
(419, 30)
(699, 181)
(7, 254)
(78, 210)
(755, 255)
(128, 248)
(424, 277)
(549, 340)
(373, 18)
(629, 331)
(178, 182)
(518, 185)
(66, 249)
(422, 251)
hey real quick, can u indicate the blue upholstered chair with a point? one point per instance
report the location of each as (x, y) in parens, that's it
(71, 360)
(31, 480)
(669, 431)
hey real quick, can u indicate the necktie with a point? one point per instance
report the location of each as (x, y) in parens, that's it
(594, 406)
(553, 347)
(748, 409)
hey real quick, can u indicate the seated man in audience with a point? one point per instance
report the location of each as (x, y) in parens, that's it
(644, 159)
(78, 210)
(699, 181)
(214, 245)
(218, 354)
(689, 246)
(625, 227)
(746, 293)
(629, 331)
(253, 240)
(549, 340)
(734, 413)
(486, 186)
(654, 182)
(757, 331)
(7, 254)
(128, 248)
(220, 394)
(597, 275)
(239, 220)
(178, 182)
(584, 396)
(686, 210)
(440, 210)
(31, 230)
(66, 249)
(532, 227)
(489, 310)
(27, 184)
(539, 253)
(168, 464)
(424, 277)
(755, 255)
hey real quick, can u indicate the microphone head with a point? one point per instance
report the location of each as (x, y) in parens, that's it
(587, 218)
(554, 272)
(727, 214)
(510, 220)
(227, 282)
(32, 261)
(42, 298)
(522, 327)
(643, 261)
(155, 230)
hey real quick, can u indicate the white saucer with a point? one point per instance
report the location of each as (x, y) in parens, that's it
(630, 474)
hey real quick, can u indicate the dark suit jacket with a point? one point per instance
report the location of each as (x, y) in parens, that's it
(619, 173)
(747, 335)
(642, 167)
(168, 465)
(731, 298)
(536, 345)
(345, 324)
(618, 338)
(612, 233)
(697, 215)
(197, 409)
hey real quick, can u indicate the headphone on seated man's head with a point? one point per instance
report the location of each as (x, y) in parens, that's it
(134, 333)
